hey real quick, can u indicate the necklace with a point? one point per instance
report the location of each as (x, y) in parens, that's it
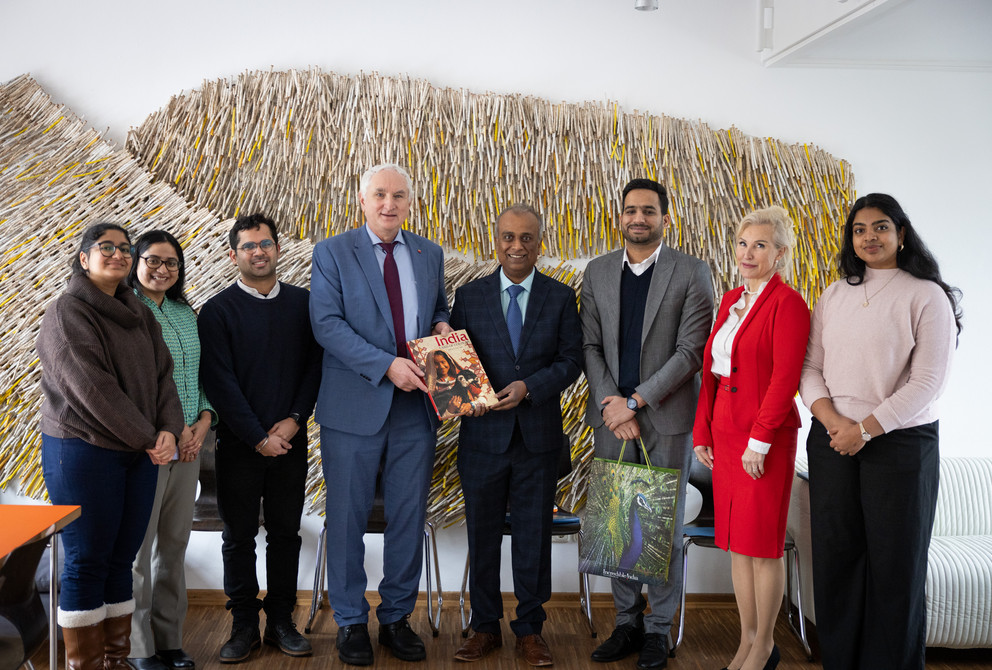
(868, 298)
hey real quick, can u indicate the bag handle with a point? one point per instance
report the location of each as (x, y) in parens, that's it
(644, 450)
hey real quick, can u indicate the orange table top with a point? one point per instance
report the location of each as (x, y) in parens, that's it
(21, 524)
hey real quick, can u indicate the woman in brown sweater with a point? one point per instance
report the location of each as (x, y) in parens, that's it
(111, 413)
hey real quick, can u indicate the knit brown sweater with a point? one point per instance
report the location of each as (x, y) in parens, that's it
(106, 372)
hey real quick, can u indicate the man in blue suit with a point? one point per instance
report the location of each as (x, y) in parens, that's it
(525, 328)
(371, 290)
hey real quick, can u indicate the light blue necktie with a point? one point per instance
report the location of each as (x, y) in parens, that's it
(514, 319)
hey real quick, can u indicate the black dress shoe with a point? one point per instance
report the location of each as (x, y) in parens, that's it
(175, 658)
(243, 640)
(150, 663)
(402, 641)
(354, 645)
(623, 642)
(654, 653)
(284, 635)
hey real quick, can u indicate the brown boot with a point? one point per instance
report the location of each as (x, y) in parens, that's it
(84, 647)
(117, 642)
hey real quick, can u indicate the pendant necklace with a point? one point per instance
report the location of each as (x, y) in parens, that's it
(868, 298)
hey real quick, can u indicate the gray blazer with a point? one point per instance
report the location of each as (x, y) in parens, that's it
(677, 320)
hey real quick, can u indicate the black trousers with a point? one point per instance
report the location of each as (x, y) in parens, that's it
(246, 483)
(871, 517)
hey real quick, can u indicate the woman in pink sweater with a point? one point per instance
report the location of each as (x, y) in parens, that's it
(879, 354)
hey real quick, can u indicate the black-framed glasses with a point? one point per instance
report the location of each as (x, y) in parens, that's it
(108, 249)
(172, 264)
(264, 245)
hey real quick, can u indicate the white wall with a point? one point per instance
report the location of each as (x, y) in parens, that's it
(922, 136)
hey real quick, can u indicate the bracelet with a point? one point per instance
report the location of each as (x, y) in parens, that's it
(259, 448)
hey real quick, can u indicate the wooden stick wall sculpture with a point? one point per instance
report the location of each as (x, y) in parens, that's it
(292, 144)
(295, 143)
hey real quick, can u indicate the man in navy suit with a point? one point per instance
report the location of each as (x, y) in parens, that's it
(371, 290)
(525, 328)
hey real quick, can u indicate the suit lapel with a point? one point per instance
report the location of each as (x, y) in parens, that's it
(493, 301)
(609, 309)
(661, 277)
(535, 304)
(365, 254)
(425, 299)
(753, 312)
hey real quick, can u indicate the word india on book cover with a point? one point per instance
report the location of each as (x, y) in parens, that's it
(453, 373)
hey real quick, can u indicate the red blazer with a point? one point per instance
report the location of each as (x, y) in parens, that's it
(766, 360)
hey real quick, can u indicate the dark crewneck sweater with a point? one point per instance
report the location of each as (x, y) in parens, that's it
(260, 362)
(633, 299)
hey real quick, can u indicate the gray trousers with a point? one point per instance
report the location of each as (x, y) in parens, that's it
(666, 451)
(159, 569)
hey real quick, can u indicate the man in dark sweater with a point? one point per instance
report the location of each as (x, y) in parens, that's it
(261, 371)
(646, 314)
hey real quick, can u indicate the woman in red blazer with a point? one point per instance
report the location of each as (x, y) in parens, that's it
(747, 423)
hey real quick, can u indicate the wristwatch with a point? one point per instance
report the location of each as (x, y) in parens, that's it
(865, 435)
(632, 404)
(295, 416)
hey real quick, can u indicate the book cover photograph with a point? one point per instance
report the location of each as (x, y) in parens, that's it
(453, 373)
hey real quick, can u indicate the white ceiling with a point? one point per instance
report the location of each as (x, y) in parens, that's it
(884, 34)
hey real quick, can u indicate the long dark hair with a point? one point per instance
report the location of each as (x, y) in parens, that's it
(175, 292)
(90, 236)
(914, 257)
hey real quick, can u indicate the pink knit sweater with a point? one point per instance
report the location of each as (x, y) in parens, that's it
(890, 359)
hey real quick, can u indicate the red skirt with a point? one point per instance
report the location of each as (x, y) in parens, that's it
(750, 514)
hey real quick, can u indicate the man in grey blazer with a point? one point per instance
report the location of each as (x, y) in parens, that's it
(646, 313)
(371, 290)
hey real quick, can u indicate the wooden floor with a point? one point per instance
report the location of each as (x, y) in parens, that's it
(710, 640)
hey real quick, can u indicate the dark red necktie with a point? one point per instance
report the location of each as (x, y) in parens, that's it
(392, 277)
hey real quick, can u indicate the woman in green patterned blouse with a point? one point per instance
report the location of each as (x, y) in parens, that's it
(157, 276)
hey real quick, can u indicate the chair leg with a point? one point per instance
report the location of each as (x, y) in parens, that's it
(584, 601)
(318, 579)
(685, 573)
(801, 631)
(466, 615)
(433, 601)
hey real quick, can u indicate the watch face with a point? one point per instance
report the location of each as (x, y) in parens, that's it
(631, 404)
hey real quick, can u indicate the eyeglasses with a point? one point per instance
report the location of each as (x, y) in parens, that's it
(172, 264)
(249, 247)
(108, 249)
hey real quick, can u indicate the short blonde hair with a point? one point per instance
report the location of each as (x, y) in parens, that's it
(783, 235)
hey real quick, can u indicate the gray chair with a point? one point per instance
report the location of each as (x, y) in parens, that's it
(700, 532)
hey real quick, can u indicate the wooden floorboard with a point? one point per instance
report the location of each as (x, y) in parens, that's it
(710, 640)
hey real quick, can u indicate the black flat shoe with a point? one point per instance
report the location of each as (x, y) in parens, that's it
(150, 663)
(402, 641)
(175, 658)
(354, 645)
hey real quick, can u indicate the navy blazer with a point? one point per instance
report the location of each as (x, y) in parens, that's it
(349, 312)
(550, 359)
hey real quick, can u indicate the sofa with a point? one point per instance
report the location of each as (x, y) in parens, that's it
(959, 570)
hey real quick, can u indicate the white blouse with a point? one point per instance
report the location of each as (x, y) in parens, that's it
(723, 345)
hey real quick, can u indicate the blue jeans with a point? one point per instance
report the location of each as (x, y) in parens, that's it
(116, 490)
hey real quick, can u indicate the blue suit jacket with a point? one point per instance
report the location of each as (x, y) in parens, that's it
(550, 359)
(349, 311)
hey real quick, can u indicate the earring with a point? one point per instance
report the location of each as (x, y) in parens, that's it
(900, 247)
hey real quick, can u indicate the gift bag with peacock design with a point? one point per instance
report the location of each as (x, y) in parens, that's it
(629, 525)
